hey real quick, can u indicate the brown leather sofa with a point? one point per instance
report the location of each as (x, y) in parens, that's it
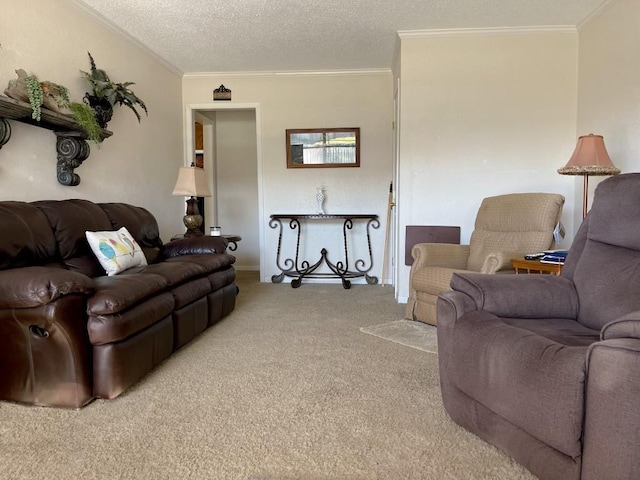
(546, 367)
(68, 332)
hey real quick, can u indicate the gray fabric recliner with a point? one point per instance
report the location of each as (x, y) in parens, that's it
(547, 368)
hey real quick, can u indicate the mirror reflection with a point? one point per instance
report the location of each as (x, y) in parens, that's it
(323, 147)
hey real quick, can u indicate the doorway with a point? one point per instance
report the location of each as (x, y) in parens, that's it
(232, 161)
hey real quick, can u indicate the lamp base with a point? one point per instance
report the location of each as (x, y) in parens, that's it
(192, 220)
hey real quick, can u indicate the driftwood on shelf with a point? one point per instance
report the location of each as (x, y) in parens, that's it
(17, 89)
(20, 111)
(71, 146)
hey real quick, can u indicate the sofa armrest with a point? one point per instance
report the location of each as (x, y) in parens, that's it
(196, 245)
(521, 296)
(29, 287)
(611, 419)
(440, 255)
(627, 326)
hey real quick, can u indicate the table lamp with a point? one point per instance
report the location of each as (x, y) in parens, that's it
(192, 182)
(589, 158)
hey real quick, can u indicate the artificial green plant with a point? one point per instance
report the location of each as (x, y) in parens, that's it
(115, 93)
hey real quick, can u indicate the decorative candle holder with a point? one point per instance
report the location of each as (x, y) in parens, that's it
(320, 197)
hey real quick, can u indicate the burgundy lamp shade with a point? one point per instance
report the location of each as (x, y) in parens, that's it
(589, 158)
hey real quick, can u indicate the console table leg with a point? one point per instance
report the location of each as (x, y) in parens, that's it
(371, 280)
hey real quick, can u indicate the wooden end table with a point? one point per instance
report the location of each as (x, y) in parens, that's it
(535, 266)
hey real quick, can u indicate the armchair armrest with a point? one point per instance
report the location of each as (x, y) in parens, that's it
(29, 287)
(522, 296)
(199, 245)
(440, 255)
(496, 261)
(627, 326)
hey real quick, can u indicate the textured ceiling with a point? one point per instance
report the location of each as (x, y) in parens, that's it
(287, 35)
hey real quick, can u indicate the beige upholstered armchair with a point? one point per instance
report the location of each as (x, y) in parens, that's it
(506, 227)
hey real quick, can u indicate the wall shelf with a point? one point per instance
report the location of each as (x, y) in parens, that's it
(71, 145)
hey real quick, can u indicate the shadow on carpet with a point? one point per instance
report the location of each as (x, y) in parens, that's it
(407, 332)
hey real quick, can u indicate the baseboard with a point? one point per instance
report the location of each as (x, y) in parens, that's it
(247, 268)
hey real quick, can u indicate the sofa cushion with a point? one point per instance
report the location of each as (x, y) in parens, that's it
(119, 326)
(141, 224)
(69, 219)
(210, 263)
(188, 292)
(174, 272)
(534, 381)
(222, 278)
(25, 236)
(116, 251)
(120, 292)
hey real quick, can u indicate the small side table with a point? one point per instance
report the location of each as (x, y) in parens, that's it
(535, 266)
(232, 239)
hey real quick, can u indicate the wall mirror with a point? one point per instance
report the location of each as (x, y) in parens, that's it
(323, 147)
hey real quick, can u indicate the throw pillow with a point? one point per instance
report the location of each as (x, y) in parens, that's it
(116, 251)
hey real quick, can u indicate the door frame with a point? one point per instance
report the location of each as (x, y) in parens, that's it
(189, 154)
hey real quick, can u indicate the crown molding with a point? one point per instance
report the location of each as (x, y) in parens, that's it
(462, 32)
(128, 37)
(286, 73)
(604, 6)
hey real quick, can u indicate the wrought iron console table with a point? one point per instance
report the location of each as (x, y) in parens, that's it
(298, 270)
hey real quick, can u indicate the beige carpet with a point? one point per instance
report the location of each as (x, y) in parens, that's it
(286, 387)
(408, 333)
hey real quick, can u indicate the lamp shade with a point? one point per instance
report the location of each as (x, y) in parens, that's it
(590, 158)
(191, 182)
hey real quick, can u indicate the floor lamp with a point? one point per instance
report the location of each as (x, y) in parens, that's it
(589, 158)
(192, 182)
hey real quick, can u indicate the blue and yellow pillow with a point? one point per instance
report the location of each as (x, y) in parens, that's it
(116, 251)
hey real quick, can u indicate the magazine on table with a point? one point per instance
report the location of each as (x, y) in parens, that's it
(548, 256)
(554, 256)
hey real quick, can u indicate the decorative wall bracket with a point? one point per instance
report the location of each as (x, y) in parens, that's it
(5, 131)
(71, 145)
(72, 150)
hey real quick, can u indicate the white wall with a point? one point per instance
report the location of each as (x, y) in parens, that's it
(609, 84)
(237, 183)
(139, 163)
(314, 101)
(483, 115)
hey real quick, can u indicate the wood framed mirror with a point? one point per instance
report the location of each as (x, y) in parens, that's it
(323, 147)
